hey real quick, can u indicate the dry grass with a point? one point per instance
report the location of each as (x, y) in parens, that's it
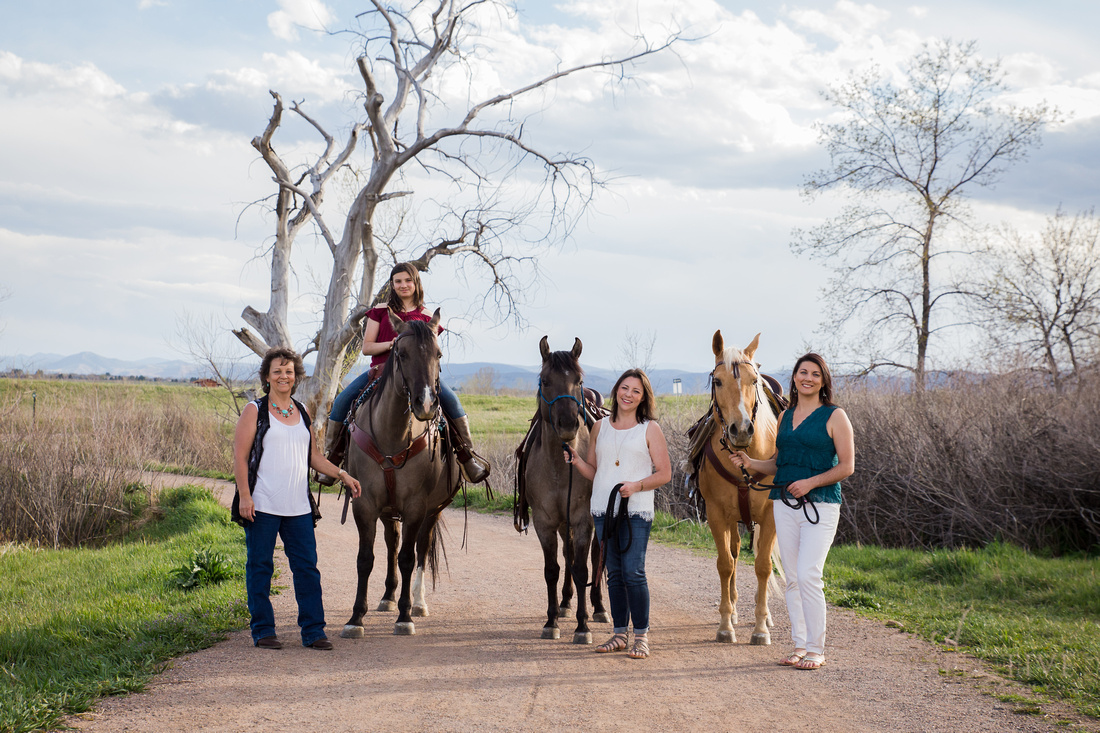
(69, 471)
(973, 462)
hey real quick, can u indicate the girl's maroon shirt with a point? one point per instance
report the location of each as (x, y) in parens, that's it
(386, 332)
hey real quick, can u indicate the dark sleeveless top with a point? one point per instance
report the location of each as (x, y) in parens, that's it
(806, 451)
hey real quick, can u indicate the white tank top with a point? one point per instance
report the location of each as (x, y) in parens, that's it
(283, 476)
(629, 449)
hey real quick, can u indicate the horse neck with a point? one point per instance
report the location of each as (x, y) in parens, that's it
(388, 418)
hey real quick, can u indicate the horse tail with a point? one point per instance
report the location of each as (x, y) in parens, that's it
(777, 566)
(436, 549)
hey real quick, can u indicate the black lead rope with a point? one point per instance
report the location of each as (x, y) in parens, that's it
(613, 521)
(805, 503)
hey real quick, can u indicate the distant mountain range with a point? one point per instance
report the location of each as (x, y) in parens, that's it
(504, 376)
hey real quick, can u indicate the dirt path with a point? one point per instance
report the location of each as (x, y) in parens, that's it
(478, 664)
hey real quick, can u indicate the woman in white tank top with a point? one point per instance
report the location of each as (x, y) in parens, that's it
(272, 453)
(627, 450)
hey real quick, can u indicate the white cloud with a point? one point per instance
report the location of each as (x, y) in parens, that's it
(295, 14)
(146, 4)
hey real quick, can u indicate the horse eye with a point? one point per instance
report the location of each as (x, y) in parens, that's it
(717, 382)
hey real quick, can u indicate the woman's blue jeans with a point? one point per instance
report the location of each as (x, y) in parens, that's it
(448, 400)
(627, 588)
(300, 544)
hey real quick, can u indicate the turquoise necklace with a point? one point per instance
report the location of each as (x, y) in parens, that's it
(287, 411)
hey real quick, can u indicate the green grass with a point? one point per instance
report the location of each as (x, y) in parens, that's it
(80, 624)
(1035, 619)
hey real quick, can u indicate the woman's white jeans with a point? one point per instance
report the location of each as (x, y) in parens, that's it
(803, 548)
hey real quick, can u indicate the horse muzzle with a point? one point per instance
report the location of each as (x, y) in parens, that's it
(740, 435)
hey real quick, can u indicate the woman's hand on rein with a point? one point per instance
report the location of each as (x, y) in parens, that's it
(630, 487)
(740, 459)
(798, 489)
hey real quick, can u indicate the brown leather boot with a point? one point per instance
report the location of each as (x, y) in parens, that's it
(474, 467)
(336, 446)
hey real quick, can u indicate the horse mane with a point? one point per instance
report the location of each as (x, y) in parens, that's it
(562, 361)
(765, 417)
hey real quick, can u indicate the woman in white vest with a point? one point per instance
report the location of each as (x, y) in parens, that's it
(627, 451)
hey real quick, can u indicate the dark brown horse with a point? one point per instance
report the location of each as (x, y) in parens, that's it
(408, 473)
(555, 494)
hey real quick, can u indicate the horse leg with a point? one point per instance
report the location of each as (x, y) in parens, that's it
(579, 570)
(406, 563)
(599, 613)
(567, 583)
(423, 547)
(364, 563)
(726, 574)
(548, 538)
(390, 527)
(765, 546)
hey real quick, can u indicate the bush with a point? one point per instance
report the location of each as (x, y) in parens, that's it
(70, 469)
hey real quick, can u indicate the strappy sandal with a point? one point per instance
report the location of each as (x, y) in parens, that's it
(641, 647)
(792, 659)
(616, 643)
(817, 661)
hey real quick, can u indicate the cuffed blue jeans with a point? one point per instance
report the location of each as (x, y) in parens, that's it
(300, 544)
(627, 587)
(448, 400)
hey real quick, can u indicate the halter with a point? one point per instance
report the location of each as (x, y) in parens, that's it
(568, 396)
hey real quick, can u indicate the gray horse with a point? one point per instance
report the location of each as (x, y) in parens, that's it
(408, 472)
(556, 496)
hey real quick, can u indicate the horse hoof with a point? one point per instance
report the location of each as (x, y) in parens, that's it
(404, 628)
(563, 609)
(582, 637)
(549, 632)
(351, 631)
(601, 617)
(725, 637)
(419, 611)
(761, 639)
(387, 606)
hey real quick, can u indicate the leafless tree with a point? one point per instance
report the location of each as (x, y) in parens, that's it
(411, 58)
(906, 156)
(1044, 295)
(204, 340)
(481, 382)
(636, 350)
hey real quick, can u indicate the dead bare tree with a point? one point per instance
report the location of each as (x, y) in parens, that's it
(203, 339)
(906, 156)
(406, 51)
(1044, 296)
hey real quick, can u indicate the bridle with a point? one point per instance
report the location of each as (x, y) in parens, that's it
(567, 396)
(734, 369)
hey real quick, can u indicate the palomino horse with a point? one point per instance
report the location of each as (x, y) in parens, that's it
(743, 420)
(408, 473)
(557, 495)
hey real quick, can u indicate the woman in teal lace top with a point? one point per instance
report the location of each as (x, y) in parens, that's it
(815, 450)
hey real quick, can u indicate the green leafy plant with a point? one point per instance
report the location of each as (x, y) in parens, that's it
(206, 567)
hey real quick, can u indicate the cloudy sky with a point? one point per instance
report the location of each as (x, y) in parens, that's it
(126, 169)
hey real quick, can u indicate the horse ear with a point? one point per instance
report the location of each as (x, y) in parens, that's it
(397, 324)
(577, 346)
(544, 348)
(751, 348)
(717, 344)
(434, 324)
